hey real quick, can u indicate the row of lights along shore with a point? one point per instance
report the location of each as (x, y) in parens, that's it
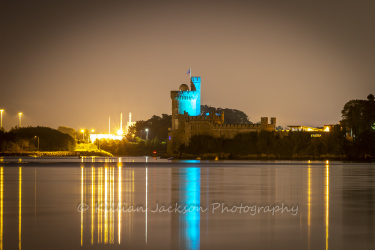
(19, 115)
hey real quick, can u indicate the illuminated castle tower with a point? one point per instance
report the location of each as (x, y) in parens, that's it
(187, 120)
(186, 100)
(196, 86)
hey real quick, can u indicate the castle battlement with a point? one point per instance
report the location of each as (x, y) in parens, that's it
(196, 79)
(197, 118)
(185, 97)
(212, 118)
(237, 126)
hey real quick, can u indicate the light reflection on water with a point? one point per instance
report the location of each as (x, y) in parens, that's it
(327, 204)
(190, 197)
(336, 197)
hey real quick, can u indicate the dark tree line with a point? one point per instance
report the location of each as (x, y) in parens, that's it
(359, 115)
(231, 116)
(279, 145)
(81, 137)
(359, 123)
(157, 128)
(26, 139)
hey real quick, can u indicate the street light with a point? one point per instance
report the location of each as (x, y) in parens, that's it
(83, 134)
(1, 110)
(20, 115)
(147, 134)
(38, 141)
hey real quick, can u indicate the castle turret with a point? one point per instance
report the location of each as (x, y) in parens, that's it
(185, 100)
(273, 122)
(264, 122)
(196, 86)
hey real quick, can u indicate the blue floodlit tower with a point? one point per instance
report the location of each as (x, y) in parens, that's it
(186, 100)
(196, 86)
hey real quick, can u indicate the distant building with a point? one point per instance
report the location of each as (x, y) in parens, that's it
(187, 121)
(325, 128)
(315, 132)
(93, 137)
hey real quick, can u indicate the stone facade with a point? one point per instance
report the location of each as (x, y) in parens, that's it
(187, 121)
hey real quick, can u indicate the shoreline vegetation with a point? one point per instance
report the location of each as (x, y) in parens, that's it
(184, 156)
(100, 153)
(227, 156)
(276, 145)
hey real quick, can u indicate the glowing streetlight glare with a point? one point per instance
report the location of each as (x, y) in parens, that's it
(38, 141)
(83, 134)
(120, 132)
(92, 130)
(20, 115)
(147, 134)
(1, 111)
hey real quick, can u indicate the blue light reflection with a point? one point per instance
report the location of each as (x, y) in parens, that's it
(190, 186)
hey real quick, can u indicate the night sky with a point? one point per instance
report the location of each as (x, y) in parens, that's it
(74, 63)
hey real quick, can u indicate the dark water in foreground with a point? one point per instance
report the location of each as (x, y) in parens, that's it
(60, 204)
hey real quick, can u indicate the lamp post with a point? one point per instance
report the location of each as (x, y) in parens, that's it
(20, 115)
(147, 134)
(83, 134)
(38, 142)
(1, 111)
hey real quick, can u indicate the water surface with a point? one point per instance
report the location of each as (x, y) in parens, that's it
(111, 203)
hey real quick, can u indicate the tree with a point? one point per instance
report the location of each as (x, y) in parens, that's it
(157, 127)
(359, 118)
(359, 115)
(24, 138)
(231, 116)
(67, 130)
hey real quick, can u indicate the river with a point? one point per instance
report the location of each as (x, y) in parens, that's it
(148, 203)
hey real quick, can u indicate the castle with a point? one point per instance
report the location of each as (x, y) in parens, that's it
(188, 121)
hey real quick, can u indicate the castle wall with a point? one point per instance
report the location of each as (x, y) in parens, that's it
(197, 127)
(204, 125)
(229, 131)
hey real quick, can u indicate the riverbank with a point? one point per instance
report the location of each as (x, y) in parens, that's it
(57, 153)
(227, 156)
